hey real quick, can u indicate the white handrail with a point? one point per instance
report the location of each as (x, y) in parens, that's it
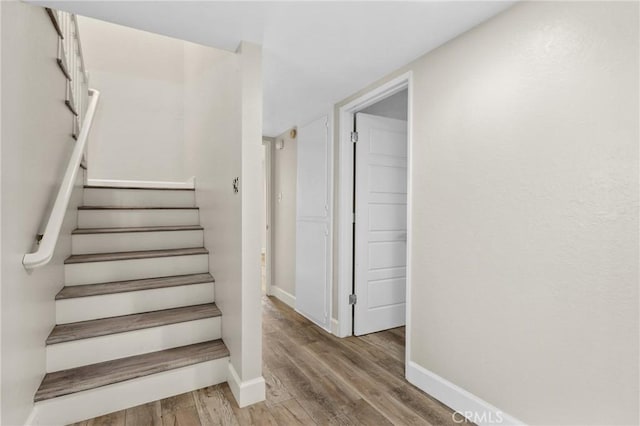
(47, 245)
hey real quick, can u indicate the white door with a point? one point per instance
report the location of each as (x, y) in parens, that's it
(313, 223)
(380, 238)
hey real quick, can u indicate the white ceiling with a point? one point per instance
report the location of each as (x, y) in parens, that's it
(315, 53)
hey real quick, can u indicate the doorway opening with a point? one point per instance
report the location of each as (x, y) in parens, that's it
(374, 212)
(380, 212)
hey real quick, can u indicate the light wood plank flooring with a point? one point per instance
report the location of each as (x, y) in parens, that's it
(312, 378)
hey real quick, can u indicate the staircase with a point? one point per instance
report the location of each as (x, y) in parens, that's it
(136, 319)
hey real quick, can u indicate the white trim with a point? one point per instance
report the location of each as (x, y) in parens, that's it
(268, 159)
(247, 392)
(284, 296)
(335, 326)
(465, 403)
(331, 134)
(33, 416)
(345, 195)
(119, 183)
(408, 325)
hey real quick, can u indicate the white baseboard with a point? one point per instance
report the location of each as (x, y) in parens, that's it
(284, 296)
(463, 402)
(247, 392)
(33, 417)
(335, 327)
(117, 183)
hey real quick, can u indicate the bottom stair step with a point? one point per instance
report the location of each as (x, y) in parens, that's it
(93, 376)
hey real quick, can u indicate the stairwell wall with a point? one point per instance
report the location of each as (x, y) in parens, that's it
(223, 141)
(36, 145)
(139, 126)
(212, 138)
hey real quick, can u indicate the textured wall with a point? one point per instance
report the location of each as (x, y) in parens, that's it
(525, 212)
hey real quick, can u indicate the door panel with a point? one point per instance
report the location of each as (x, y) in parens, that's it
(387, 179)
(387, 273)
(387, 217)
(313, 188)
(387, 254)
(312, 277)
(381, 223)
(386, 292)
(313, 221)
(386, 143)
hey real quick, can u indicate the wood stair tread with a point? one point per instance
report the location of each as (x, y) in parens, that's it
(136, 208)
(87, 377)
(106, 326)
(84, 231)
(137, 188)
(87, 290)
(127, 255)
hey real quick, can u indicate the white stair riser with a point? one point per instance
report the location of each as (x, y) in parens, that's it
(133, 269)
(62, 356)
(134, 241)
(132, 302)
(119, 396)
(138, 197)
(142, 217)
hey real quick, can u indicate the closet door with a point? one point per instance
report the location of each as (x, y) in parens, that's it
(313, 222)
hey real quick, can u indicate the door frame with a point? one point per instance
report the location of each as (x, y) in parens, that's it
(345, 198)
(268, 185)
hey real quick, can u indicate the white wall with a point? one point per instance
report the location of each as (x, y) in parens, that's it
(525, 212)
(251, 191)
(139, 127)
(223, 122)
(36, 145)
(284, 214)
(212, 138)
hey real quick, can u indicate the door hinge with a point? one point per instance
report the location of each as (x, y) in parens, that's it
(354, 137)
(353, 218)
(353, 299)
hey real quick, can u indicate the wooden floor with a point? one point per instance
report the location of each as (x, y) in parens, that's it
(312, 378)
